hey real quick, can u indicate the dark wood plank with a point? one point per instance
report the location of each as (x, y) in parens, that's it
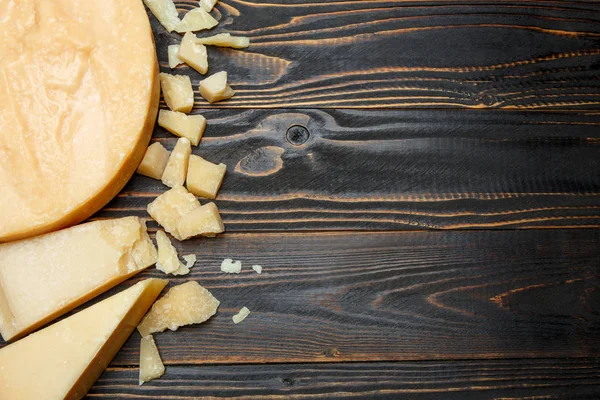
(395, 170)
(336, 297)
(532, 379)
(391, 54)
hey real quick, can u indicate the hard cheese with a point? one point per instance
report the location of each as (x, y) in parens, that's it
(79, 94)
(64, 360)
(46, 276)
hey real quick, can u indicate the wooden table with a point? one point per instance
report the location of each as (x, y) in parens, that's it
(413, 227)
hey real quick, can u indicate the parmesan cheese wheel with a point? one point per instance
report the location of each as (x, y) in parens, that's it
(79, 94)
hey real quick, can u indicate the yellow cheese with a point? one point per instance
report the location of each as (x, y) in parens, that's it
(177, 92)
(176, 170)
(165, 12)
(204, 221)
(168, 260)
(204, 178)
(155, 161)
(64, 360)
(195, 55)
(78, 104)
(215, 87)
(224, 40)
(195, 20)
(207, 5)
(174, 59)
(188, 126)
(151, 366)
(185, 304)
(46, 276)
(168, 208)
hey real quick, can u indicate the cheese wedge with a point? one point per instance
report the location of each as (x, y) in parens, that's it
(79, 95)
(64, 360)
(46, 276)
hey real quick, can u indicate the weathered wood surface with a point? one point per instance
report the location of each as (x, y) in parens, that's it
(340, 297)
(460, 380)
(395, 169)
(392, 54)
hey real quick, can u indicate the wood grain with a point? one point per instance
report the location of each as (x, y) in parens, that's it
(339, 297)
(397, 54)
(395, 169)
(489, 379)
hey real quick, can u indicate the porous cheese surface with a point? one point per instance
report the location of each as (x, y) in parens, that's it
(151, 366)
(204, 178)
(46, 276)
(168, 208)
(78, 103)
(185, 304)
(64, 360)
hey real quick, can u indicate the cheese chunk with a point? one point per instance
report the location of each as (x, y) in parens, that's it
(154, 162)
(151, 366)
(168, 261)
(257, 269)
(225, 40)
(168, 208)
(195, 55)
(240, 316)
(176, 170)
(215, 88)
(185, 304)
(204, 221)
(64, 360)
(174, 59)
(231, 267)
(78, 102)
(177, 92)
(208, 5)
(165, 12)
(188, 126)
(44, 277)
(204, 178)
(195, 20)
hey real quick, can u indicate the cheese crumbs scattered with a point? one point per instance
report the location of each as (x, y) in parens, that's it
(231, 267)
(239, 317)
(257, 268)
(185, 304)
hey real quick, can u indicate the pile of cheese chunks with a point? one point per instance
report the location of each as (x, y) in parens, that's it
(178, 210)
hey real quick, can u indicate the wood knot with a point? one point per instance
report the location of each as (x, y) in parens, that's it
(263, 161)
(297, 135)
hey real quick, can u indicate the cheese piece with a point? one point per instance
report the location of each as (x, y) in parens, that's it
(190, 260)
(257, 269)
(204, 178)
(240, 316)
(231, 267)
(225, 40)
(188, 126)
(185, 304)
(168, 208)
(78, 104)
(177, 166)
(177, 92)
(195, 20)
(165, 12)
(204, 221)
(154, 162)
(174, 59)
(151, 366)
(215, 88)
(44, 277)
(64, 360)
(195, 55)
(168, 260)
(208, 5)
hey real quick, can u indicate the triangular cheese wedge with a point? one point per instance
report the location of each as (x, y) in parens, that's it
(64, 360)
(44, 277)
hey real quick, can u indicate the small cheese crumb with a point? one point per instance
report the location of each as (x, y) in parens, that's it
(231, 267)
(168, 261)
(239, 317)
(190, 259)
(196, 19)
(257, 268)
(207, 5)
(225, 40)
(165, 12)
